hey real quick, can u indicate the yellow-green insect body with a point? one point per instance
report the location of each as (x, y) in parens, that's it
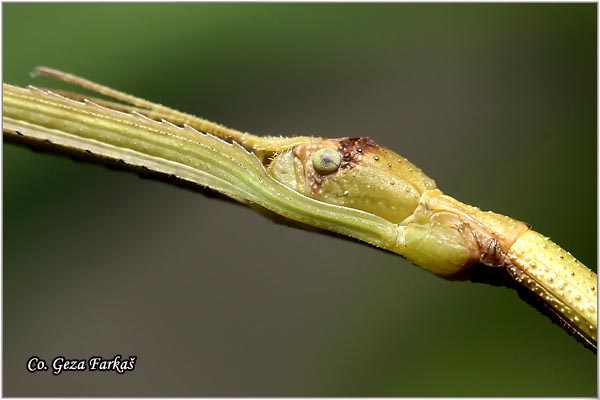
(350, 186)
(355, 173)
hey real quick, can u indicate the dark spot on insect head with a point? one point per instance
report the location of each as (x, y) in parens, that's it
(353, 149)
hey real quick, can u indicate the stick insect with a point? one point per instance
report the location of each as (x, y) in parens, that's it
(349, 186)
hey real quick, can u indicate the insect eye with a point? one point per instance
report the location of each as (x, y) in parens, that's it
(326, 161)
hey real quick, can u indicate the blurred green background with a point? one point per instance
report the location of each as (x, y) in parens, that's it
(495, 102)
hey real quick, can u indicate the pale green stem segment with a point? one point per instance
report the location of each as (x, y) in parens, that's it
(182, 152)
(349, 186)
